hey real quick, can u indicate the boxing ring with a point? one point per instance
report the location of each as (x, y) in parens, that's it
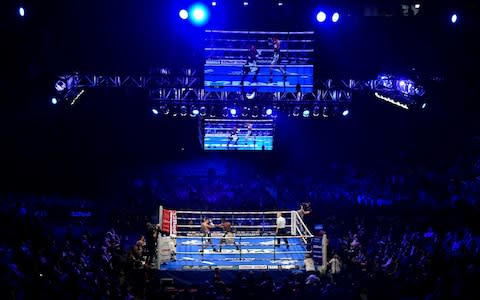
(251, 246)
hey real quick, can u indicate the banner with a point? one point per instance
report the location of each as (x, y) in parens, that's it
(165, 220)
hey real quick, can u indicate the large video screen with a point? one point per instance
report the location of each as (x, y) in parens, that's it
(259, 60)
(238, 134)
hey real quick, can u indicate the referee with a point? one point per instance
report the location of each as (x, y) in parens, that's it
(281, 230)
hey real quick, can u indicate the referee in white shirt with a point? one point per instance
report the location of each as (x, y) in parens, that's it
(281, 230)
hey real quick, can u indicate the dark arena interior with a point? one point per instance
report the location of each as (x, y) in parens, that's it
(240, 148)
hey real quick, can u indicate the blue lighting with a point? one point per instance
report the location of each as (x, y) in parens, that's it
(183, 14)
(233, 111)
(195, 112)
(154, 111)
(321, 17)
(54, 100)
(214, 3)
(21, 11)
(424, 105)
(454, 18)
(199, 14)
(269, 112)
(335, 17)
(306, 113)
(345, 113)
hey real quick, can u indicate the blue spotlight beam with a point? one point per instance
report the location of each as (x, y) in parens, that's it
(198, 14)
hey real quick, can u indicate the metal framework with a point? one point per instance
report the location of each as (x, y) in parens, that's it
(184, 87)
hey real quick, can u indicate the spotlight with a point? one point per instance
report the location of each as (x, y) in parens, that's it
(296, 111)
(316, 111)
(345, 113)
(54, 100)
(280, 3)
(335, 17)
(454, 18)
(245, 3)
(154, 111)
(199, 14)
(269, 111)
(183, 14)
(417, 6)
(233, 112)
(183, 110)
(212, 112)
(21, 11)
(245, 111)
(424, 105)
(250, 96)
(255, 112)
(195, 112)
(321, 17)
(306, 113)
(164, 109)
(225, 112)
(60, 86)
(214, 3)
(203, 111)
(325, 112)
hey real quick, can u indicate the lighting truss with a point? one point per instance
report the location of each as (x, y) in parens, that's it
(169, 88)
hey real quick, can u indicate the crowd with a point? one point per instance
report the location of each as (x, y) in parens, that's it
(403, 232)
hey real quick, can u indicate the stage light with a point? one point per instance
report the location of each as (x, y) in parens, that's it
(60, 86)
(212, 113)
(154, 111)
(345, 113)
(269, 111)
(245, 3)
(214, 3)
(335, 17)
(183, 110)
(233, 112)
(321, 17)
(325, 112)
(54, 100)
(199, 14)
(251, 96)
(203, 111)
(306, 113)
(195, 112)
(21, 11)
(280, 3)
(316, 111)
(164, 109)
(454, 18)
(417, 6)
(225, 111)
(245, 111)
(424, 105)
(255, 111)
(183, 14)
(296, 111)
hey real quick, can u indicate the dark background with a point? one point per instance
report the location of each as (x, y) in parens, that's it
(110, 135)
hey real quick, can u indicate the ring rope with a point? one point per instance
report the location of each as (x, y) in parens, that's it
(246, 237)
(230, 212)
(215, 218)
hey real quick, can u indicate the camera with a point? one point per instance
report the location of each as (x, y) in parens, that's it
(306, 206)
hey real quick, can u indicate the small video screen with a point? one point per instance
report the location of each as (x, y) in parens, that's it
(238, 134)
